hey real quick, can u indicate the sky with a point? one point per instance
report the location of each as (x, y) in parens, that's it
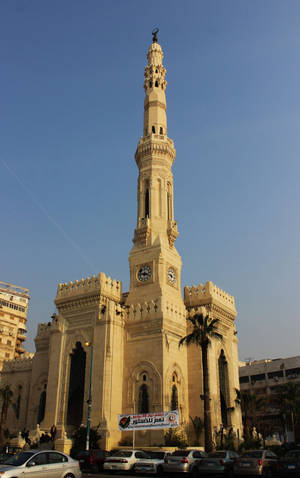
(71, 117)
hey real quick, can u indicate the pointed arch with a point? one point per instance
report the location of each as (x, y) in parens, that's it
(145, 387)
(223, 386)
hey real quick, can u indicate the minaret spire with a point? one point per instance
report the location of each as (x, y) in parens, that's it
(154, 261)
(154, 156)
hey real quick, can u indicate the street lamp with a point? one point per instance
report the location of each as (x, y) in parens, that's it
(89, 402)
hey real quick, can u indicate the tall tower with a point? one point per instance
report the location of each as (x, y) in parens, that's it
(155, 370)
(155, 265)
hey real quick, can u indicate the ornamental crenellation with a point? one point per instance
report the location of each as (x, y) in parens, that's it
(196, 295)
(100, 283)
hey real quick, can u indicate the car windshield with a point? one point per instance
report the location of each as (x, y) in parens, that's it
(125, 454)
(20, 459)
(180, 453)
(158, 455)
(252, 454)
(217, 454)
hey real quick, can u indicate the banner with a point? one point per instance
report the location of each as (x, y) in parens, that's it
(146, 421)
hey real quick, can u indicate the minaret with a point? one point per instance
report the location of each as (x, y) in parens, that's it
(155, 265)
(156, 370)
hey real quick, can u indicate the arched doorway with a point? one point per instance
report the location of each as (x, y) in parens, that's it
(76, 386)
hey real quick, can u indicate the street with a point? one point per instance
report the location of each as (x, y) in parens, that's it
(108, 475)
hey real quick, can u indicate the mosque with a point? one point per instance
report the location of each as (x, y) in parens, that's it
(126, 343)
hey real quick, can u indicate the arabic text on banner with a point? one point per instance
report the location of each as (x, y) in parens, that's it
(144, 421)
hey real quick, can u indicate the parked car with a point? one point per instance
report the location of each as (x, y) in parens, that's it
(92, 460)
(183, 461)
(7, 451)
(38, 464)
(256, 462)
(153, 464)
(289, 465)
(216, 463)
(123, 460)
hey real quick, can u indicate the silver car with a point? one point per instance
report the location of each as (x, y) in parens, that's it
(183, 461)
(123, 460)
(38, 464)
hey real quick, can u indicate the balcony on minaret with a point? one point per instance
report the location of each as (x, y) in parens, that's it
(142, 232)
(172, 232)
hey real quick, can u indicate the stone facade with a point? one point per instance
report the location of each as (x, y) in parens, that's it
(137, 364)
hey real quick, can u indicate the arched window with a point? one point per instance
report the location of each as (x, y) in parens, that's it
(156, 84)
(42, 406)
(161, 131)
(174, 399)
(76, 385)
(143, 399)
(144, 378)
(18, 403)
(147, 212)
(153, 129)
(223, 379)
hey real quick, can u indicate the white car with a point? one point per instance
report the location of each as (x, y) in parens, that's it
(40, 464)
(153, 464)
(123, 460)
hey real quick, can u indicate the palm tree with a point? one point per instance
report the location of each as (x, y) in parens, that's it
(204, 329)
(6, 397)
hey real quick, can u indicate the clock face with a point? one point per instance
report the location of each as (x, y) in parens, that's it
(171, 275)
(144, 273)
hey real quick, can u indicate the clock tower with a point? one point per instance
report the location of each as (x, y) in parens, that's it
(155, 264)
(155, 369)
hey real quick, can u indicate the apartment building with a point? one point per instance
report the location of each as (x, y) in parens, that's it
(14, 302)
(264, 378)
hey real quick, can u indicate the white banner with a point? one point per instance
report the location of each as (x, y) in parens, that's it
(144, 421)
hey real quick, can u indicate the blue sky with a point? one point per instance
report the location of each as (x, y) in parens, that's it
(71, 117)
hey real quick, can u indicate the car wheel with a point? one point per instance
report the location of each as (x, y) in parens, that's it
(267, 473)
(194, 472)
(159, 471)
(69, 475)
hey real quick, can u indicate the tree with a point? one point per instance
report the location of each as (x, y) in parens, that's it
(6, 395)
(79, 439)
(250, 406)
(204, 329)
(288, 403)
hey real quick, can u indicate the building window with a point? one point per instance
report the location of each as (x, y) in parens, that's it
(244, 379)
(258, 377)
(147, 203)
(277, 374)
(9, 342)
(156, 84)
(161, 131)
(174, 399)
(7, 354)
(153, 129)
(143, 399)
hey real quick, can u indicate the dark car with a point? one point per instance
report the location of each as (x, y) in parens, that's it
(216, 463)
(92, 460)
(256, 463)
(7, 451)
(289, 465)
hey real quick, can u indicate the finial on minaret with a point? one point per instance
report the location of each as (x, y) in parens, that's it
(154, 35)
